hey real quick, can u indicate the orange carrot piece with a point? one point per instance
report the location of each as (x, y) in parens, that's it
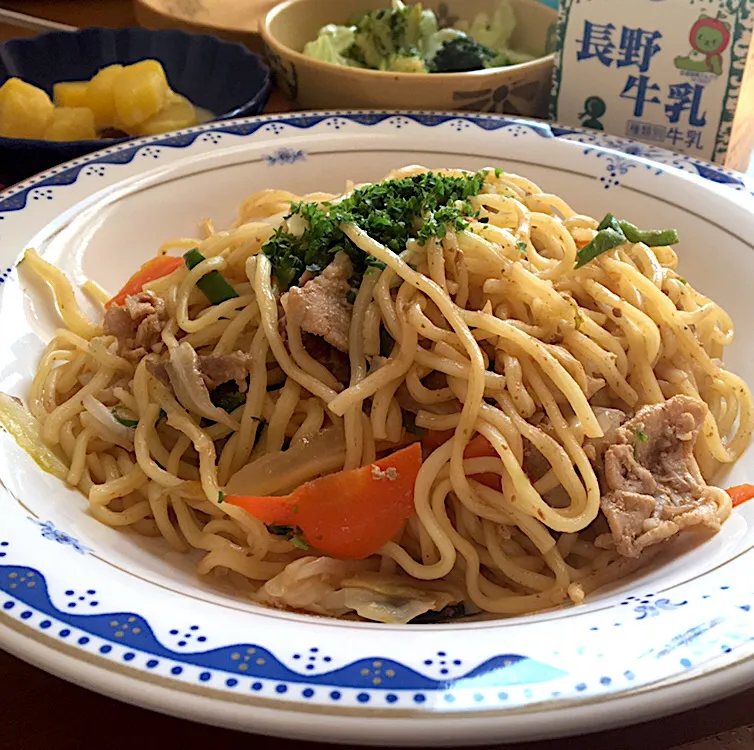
(153, 269)
(479, 447)
(350, 514)
(433, 439)
(741, 493)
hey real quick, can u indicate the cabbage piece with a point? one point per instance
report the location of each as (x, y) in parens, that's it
(310, 584)
(509, 57)
(395, 599)
(331, 44)
(493, 31)
(421, 25)
(515, 57)
(326, 586)
(393, 610)
(27, 432)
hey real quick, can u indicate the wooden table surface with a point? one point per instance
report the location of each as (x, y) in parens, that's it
(41, 711)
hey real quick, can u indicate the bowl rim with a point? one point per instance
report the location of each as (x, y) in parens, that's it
(99, 143)
(274, 43)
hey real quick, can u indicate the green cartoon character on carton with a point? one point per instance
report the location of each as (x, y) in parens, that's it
(709, 38)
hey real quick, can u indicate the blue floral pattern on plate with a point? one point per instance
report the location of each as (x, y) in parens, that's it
(49, 531)
(285, 156)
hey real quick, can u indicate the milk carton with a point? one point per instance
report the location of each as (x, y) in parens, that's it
(668, 72)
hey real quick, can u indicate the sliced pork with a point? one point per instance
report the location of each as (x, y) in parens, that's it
(336, 361)
(214, 369)
(321, 305)
(222, 368)
(654, 488)
(137, 324)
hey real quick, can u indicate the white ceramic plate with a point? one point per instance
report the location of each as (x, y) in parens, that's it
(121, 615)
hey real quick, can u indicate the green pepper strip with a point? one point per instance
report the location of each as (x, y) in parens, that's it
(216, 289)
(125, 421)
(604, 240)
(650, 237)
(612, 233)
(609, 222)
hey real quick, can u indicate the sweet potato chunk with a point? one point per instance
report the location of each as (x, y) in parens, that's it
(100, 97)
(141, 91)
(70, 93)
(71, 124)
(25, 110)
(179, 113)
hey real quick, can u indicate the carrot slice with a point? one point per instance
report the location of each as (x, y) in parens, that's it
(479, 447)
(153, 269)
(741, 493)
(433, 439)
(350, 514)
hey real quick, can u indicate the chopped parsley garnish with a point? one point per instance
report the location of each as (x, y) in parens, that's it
(220, 497)
(498, 172)
(393, 212)
(682, 280)
(386, 342)
(522, 246)
(639, 437)
(409, 423)
(125, 421)
(227, 396)
(300, 541)
(262, 424)
(292, 534)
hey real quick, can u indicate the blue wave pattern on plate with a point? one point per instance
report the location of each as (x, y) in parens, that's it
(597, 142)
(28, 586)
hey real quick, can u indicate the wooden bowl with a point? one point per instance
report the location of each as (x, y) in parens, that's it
(517, 89)
(233, 20)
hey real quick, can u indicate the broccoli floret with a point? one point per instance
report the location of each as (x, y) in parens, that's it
(398, 31)
(404, 64)
(434, 42)
(376, 35)
(460, 55)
